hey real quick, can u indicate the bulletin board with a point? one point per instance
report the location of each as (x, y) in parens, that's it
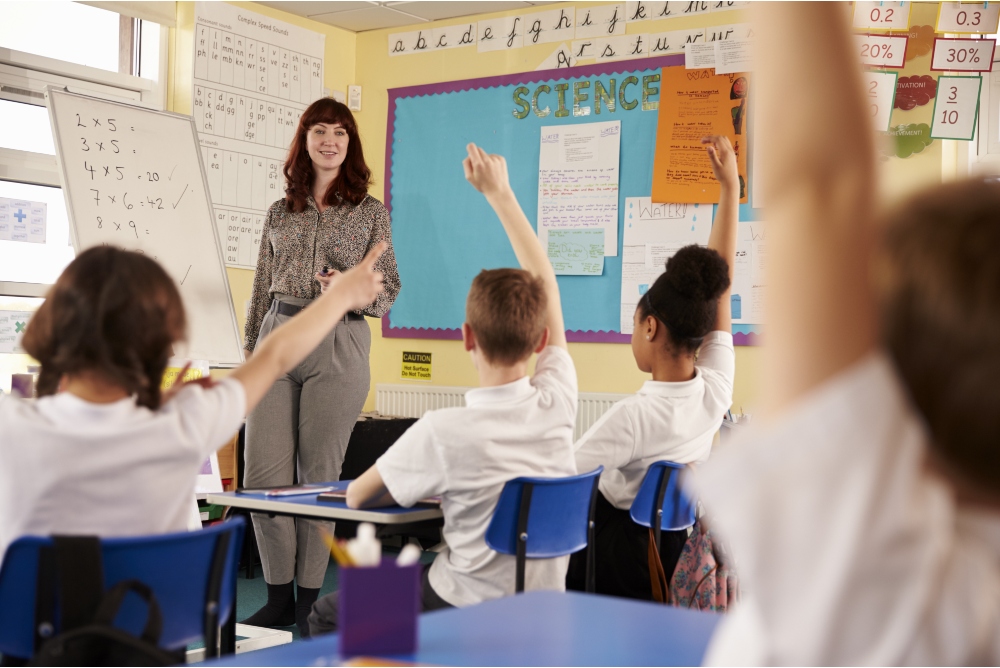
(444, 232)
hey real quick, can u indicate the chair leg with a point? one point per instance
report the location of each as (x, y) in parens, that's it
(522, 536)
(591, 578)
(227, 635)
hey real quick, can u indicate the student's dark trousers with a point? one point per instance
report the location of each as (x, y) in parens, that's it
(325, 615)
(622, 567)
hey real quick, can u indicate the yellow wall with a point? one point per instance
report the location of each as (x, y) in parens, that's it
(363, 59)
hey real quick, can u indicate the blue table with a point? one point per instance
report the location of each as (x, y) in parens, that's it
(307, 506)
(532, 629)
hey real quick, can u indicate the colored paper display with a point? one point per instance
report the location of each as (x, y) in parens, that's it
(693, 104)
(577, 252)
(652, 234)
(966, 18)
(881, 15)
(963, 55)
(578, 180)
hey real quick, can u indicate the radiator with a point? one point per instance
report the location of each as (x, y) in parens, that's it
(414, 401)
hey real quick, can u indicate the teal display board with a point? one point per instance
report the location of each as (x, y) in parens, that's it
(445, 233)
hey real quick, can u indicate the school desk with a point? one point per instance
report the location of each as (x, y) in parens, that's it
(307, 506)
(532, 629)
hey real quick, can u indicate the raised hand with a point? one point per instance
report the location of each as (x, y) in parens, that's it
(723, 159)
(486, 172)
(361, 284)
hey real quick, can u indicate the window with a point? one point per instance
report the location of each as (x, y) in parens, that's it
(32, 262)
(60, 44)
(25, 127)
(11, 363)
(66, 31)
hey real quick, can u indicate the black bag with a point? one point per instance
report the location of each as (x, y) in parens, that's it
(88, 637)
(101, 644)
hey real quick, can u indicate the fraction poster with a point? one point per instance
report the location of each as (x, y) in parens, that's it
(693, 104)
(253, 78)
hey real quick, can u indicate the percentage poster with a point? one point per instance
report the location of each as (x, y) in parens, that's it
(693, 104)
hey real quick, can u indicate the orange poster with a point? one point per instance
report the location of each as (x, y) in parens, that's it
(695, 103)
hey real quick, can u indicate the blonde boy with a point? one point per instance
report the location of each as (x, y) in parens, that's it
(512, 425)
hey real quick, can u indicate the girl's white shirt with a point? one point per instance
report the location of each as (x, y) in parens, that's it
(849, 549)
(68, 466)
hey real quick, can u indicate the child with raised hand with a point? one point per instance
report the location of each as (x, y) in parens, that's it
(100, 452)
(512, 425)
(682, 336)
(865, 512)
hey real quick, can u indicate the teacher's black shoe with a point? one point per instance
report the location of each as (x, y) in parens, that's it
(303, 606)
(279, 609)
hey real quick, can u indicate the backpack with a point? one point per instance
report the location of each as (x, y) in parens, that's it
(87, 612)
(704, 578)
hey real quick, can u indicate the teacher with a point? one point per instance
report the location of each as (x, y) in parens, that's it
(324, 225)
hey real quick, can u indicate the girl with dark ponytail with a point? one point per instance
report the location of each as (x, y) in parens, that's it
(683, 337)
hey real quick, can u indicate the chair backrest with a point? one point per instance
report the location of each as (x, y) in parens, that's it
(176, 567)
(558, 516)
(678, 509)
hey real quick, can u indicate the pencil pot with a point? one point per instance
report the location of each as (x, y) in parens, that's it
(379, 609)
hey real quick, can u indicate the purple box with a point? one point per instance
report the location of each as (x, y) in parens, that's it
(22, 385)
(379, 609)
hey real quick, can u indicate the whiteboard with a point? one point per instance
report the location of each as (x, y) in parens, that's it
(133, 178)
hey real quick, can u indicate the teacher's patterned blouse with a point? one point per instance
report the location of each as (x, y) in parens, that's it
(294, 246)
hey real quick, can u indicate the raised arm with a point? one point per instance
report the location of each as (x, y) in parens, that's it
(488, 174)
(288, 345)
(819, 185)
(724, 229)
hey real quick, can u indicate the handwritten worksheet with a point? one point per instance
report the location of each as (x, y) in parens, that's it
(253, 78)
(653, 233)
(577, 252)
(578, 180)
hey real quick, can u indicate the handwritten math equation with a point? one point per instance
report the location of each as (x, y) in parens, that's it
(126, 202)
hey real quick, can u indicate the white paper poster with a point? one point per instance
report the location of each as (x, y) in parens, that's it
(881, 90)
(12, 327)
(253, 78)
(735, 55)
(955, 107)
(21, 220)
(562, 57)
(699, 56)
(653, 233)
(747, 295)
(578, 180)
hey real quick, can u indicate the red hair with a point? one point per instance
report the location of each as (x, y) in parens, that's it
(354, 178)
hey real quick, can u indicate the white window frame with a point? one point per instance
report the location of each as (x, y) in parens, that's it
(24, 78)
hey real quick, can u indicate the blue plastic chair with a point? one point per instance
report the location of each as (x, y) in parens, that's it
(661, 502)
(177, 567)
(541, 518)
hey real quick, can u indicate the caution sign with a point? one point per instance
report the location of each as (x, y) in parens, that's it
(416, 366)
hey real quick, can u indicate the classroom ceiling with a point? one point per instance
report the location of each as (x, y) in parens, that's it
(361, 16)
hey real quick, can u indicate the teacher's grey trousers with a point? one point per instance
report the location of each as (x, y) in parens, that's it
(303, 424)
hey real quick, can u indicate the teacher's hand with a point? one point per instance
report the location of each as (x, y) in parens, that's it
(325, 280)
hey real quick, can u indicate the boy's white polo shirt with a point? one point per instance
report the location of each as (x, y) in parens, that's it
(523, 428)
(68, 466)
(663, 421)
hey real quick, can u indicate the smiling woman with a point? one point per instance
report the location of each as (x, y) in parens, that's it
(324, 225)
